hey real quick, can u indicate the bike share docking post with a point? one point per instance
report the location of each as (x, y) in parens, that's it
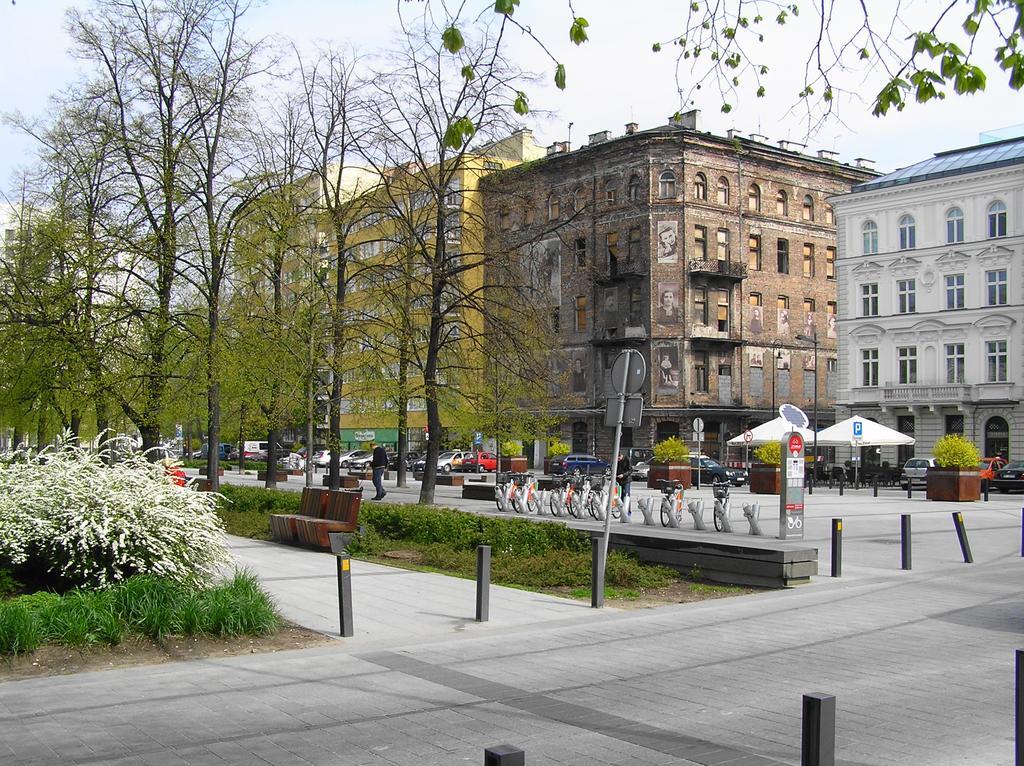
(696, 509)
(624, 509)
(646, 506)
(722, 507)
(751, 511)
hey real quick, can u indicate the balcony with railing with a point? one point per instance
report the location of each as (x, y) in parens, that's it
(628, 332)
(619, 269)
(730, 334)
(716, 268)
(933, 394)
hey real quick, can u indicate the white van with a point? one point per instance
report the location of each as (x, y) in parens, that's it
(260, 449)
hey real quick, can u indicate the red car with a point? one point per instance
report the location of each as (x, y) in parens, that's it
(479, 462)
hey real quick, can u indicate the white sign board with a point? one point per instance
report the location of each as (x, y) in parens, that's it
(698, 425)
(795, 471)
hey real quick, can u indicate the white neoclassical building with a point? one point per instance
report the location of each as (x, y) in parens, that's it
(931, 300)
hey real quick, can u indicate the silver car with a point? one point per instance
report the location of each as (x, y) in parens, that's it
(915, 471)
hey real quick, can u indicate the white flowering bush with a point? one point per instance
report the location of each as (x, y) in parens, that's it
(65, 512)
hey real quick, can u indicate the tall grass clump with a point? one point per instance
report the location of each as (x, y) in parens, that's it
(71, 517)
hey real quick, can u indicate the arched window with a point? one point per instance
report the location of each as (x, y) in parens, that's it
(908, 233)
(700, 187)
(870, 232)
(667, 185)
(996, 220)
(633, 190)
(578, 200)
(666, 430)
(754, 198)
(954, 225)
(830, 215)
(782, 203)
(553, 210)
(997, 437)
(723, 191)
(611, 191)
(808, 208)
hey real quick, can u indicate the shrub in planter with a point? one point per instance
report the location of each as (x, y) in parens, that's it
(512, 457)
(556, 449)
(765, 477)
(956, 476)
(67, 515)
(671, 463)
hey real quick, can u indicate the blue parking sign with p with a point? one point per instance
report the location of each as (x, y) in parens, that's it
(858, 429)
(478, 438)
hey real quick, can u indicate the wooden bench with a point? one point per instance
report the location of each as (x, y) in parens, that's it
(448, 480)
(278, 476)
(321, 512)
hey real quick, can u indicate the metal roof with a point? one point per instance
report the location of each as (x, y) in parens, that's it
(954, 162)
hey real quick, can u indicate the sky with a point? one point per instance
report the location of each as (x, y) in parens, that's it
(613, 79)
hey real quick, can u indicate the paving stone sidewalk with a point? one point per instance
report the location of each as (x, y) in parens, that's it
(921, 663)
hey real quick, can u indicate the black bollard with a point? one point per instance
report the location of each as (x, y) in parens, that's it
(905, 543)
(837, 547)
(875, 487)
(984, 489)
(818, 734)
(483, 583)
(961, 534)
(910, 489)
(504, 755)
(596, 580)
(345, 595)
(841, 486)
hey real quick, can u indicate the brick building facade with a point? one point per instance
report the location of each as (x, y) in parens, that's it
(708, 254)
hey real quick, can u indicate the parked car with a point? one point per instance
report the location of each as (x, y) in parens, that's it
(322, 458)
(915, 471)
(641, 469)
(990, 466)
(222, 452)
(347, 457)
(711, 471)
(577, 463)
(1010, 478)
(479, 462)
(410, 459)
(446, 462)
(362, 463)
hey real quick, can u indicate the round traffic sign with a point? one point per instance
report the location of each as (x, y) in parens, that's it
(629, 365)
(698, 425)
(748, 436)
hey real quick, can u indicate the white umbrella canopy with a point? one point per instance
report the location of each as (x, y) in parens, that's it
(872, 434)
(773, 431)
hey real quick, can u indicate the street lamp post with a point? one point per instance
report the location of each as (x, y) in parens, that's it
(776, 355)
(813, 340)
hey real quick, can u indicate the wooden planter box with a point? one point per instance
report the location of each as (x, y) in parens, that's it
(659, 472)
(278, 476)
(202, 471)
(347, 482)
(765, 479)
(953, 484)
(517, 464)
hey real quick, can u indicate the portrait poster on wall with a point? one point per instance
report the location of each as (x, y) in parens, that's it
(543, 266)
(830, 326)
(784, 323)
(756, 320)
(668, 242)
(668, 303)
(667, 369)
(808, 360)
(756, 356)
(579, 371)
(809, 330)
(783, 359)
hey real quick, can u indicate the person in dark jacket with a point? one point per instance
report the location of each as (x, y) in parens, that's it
(379, 464)
(623, 475)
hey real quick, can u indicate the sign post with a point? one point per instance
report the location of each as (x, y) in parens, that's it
(698, 436)
(791, 498)
(629, 371)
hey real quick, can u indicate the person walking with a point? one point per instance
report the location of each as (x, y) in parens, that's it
(623, 475)
(379, 464)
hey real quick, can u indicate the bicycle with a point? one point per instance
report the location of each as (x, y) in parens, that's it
(597, 498)
(671, 502)
(504, 491)
(529, 497)
(567, 496)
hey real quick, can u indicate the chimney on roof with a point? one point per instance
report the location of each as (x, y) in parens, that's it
(685, 119)
(631, 128)
(787, 145)
(864, 162)
(758, 137)
(733, 133)
(599, 137)
(559, 147)
(827, 154)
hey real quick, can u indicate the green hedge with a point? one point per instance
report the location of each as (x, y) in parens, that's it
(145, 605)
